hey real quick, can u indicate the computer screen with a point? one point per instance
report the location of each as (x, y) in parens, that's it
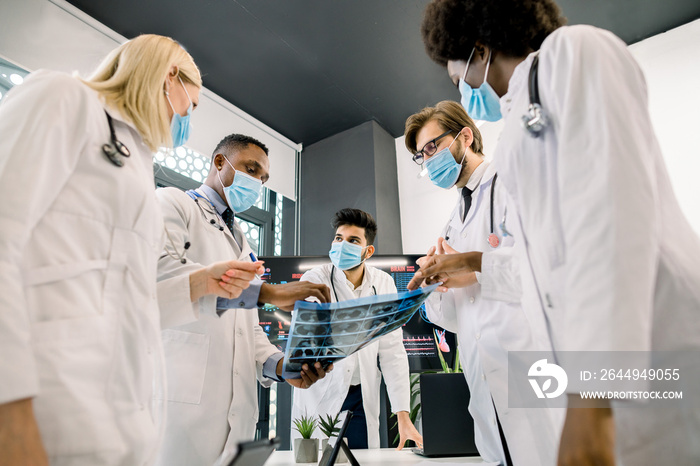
(421, 337)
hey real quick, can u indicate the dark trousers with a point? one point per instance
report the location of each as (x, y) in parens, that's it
(509, 462)
(357, 429)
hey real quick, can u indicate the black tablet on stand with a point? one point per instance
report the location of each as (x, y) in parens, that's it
(254, 453)
(329, 456)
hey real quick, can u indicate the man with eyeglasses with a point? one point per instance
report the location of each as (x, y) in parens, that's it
(483, 309)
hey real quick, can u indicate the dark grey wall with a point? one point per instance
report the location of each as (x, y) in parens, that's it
(355, 168)
(288, 226)
(386, 193)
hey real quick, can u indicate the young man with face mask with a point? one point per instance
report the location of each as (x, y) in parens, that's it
(485, 312)
(212, 362)
(355, 382)
(615, 261)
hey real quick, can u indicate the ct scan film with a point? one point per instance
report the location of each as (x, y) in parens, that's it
(330, 332)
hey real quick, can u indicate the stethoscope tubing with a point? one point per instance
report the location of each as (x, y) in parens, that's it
(333, 284)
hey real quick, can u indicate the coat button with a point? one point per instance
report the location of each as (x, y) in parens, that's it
(483, 376)
(478, 335)
(471, 299)
(464, 234)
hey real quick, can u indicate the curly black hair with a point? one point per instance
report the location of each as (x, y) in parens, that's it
(513, 27)
(356, 218)
(235, 142)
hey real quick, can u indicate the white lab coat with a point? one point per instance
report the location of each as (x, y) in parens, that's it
(487, 329)
(615, 262)
(211, 361)
(327, 395)
(80, 238)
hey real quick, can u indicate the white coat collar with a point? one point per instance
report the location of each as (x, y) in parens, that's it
(216, 201)
(366, 280)
(344, 288)
(209, 205)
(476, 180)
(476, 175)
(211, 209)
(516, 83)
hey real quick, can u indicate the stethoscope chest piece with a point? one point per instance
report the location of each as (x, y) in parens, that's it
(111, 149)
(535, 120)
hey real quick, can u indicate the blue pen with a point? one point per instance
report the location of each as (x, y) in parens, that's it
(254, 259)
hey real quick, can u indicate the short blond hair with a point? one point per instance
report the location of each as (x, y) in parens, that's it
(132, 80)
(450, 116)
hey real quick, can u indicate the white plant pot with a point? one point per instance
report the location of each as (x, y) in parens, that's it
(306, 450)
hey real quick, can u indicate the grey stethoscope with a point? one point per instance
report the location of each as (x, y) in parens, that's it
(215, 222)
(535, 121)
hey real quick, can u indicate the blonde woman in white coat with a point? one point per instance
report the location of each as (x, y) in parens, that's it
(615, 262)
(81, 234)
(355, 381)
(486, 316)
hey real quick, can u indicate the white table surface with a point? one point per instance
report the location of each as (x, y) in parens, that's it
(383, 456)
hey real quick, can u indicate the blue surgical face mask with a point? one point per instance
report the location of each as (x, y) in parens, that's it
(345, 255)
(180, 125)
(481, 103)
(443, 169)
(243, 193)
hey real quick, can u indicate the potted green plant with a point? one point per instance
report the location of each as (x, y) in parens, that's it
(305, 448)
(328, 425)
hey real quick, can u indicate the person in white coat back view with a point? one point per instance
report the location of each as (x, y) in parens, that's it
(486, 314)
(615, 262)
(355, 382)
(80, 236)
(213, 358)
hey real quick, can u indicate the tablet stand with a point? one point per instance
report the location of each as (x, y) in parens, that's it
(331, 455)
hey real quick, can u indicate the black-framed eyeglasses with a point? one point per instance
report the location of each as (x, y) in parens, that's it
(428, 149)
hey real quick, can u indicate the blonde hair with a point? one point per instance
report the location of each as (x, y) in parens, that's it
(450, 116)
(132, 80)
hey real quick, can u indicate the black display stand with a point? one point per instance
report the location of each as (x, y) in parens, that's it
(331, 455)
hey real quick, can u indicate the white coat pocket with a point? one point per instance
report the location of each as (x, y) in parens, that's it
(186, 355)
(72, 407)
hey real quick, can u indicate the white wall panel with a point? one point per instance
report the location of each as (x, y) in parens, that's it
(55, 35)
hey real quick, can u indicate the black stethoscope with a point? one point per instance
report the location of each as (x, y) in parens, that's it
(535, 121)
(493, 239)
(333, 285)
(114, 147)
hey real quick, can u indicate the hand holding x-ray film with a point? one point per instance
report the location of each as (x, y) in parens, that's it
(330, 332)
